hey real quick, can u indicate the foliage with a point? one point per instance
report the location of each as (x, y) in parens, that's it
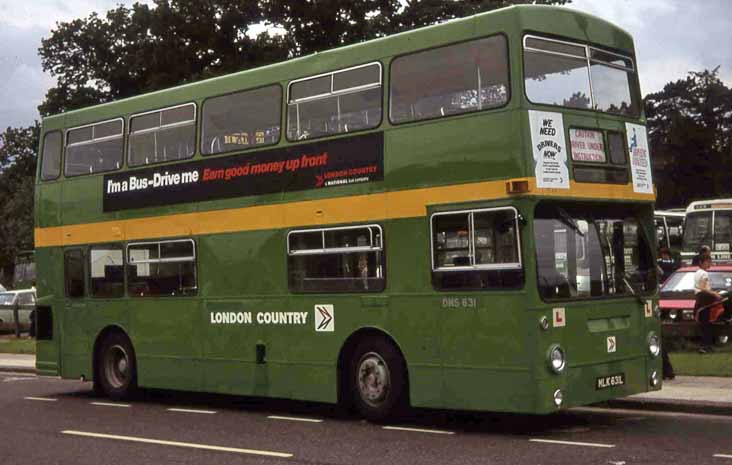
(690, 131)
(17, 172)
(316, 25)
(134, 50)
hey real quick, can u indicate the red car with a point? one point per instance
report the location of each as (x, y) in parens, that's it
(677, 302)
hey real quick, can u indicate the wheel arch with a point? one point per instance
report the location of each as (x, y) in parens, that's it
(347, 349)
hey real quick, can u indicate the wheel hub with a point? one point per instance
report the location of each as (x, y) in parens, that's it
(373, 379)
(116, 367)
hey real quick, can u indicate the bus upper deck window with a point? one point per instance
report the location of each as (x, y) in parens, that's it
(342, 101)
(162, 135)
(460, 78)
(241, 120)
(94, 148)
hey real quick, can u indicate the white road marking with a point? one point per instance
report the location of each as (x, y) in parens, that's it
(19, 378)
(722, 456)
(418, 430)
(178, 444)
(110, 404)
(44, 399)
(186, 410)
(572, 443)
(307, 420)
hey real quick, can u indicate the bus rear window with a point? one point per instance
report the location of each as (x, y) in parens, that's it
(578, 76)
(51, 162)
(461, 78)
(95, 148)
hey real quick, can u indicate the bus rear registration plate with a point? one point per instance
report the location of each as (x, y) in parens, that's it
(605, 382)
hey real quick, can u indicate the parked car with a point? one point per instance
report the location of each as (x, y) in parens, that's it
(25, 300)
(678, 318)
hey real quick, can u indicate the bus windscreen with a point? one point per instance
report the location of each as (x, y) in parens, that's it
(697, 230)
(599, 254)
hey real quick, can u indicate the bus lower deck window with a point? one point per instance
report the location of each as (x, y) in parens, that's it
(476, 249)
(347, 259)
(162, 268)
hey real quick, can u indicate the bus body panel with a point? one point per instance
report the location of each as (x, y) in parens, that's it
(464, 349)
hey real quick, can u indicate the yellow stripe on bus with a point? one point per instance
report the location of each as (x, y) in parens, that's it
(358, 208)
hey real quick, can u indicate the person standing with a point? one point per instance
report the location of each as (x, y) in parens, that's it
(704, 251)
(668, 369)
(665, 263)
(705, 298)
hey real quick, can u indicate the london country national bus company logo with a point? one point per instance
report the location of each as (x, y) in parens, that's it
(308, 166)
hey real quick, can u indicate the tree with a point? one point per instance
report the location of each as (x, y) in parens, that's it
(690, 132)
(17, 174)
(315, 25)
(140, 49)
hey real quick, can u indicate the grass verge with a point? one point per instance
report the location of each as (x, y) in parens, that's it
(11, 345)
(687, 360)
(696, 364)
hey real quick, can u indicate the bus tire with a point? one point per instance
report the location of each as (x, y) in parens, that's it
(377, 379)
(117, 367)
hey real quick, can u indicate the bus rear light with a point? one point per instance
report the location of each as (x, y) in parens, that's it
(517, 186)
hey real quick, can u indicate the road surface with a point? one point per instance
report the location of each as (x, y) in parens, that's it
(53, 421)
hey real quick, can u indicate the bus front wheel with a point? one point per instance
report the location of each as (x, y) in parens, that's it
(378, 379)
(117, 368)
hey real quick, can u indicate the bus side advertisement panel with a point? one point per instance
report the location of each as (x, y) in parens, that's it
(309, 166)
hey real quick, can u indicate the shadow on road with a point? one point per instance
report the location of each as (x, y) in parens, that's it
(570, 421)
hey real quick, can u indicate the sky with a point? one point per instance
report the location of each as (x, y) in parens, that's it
(672, 37)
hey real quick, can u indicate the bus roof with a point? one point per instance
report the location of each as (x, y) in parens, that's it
(541, 18)
(716, 204)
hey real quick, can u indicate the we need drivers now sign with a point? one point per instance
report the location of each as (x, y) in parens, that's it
(309, 166)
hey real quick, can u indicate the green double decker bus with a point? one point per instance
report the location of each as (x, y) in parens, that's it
(459, 216)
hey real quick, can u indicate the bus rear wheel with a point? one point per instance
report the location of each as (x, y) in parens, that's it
(377, 379)
(116, 367)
